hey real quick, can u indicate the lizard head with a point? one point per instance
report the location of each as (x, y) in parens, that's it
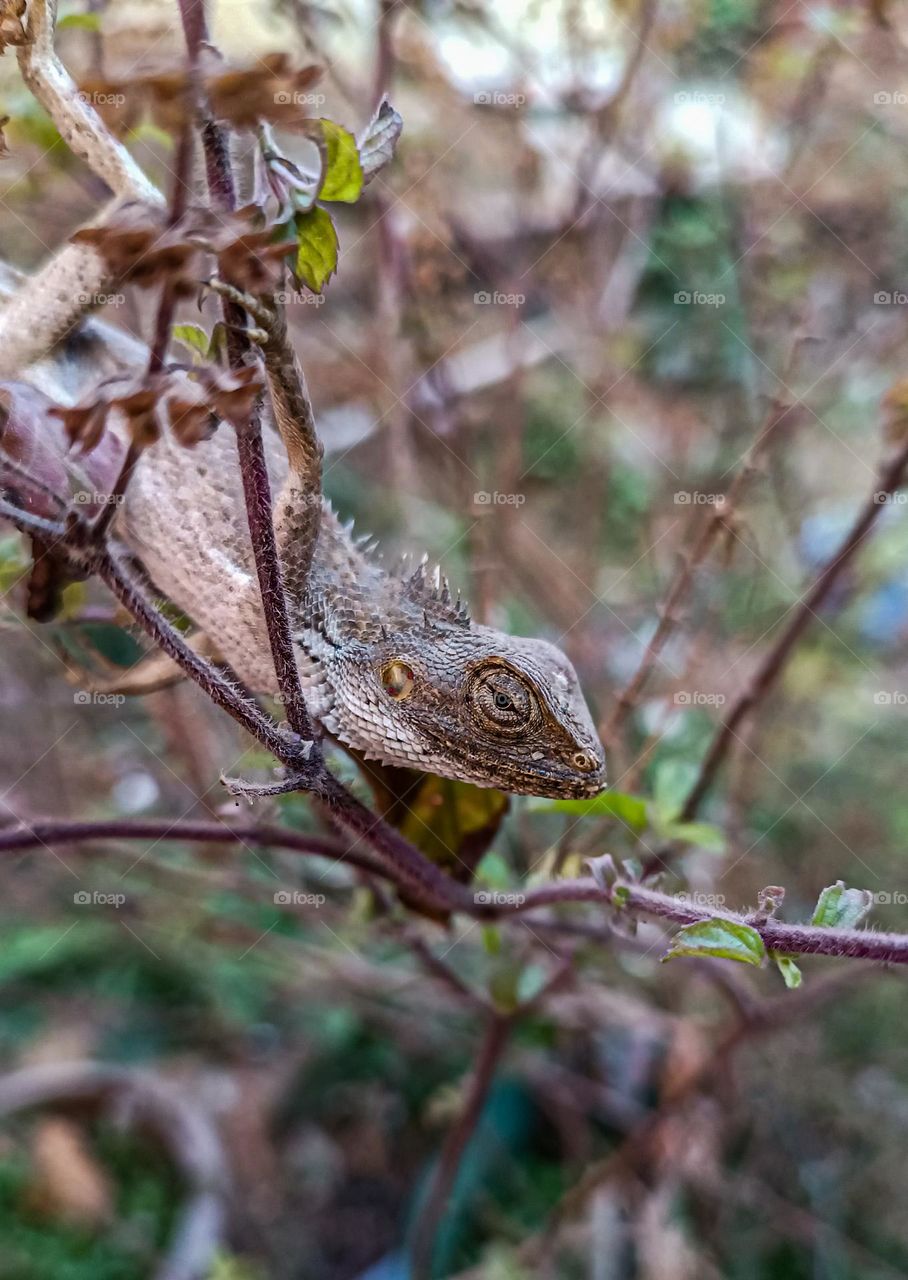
(474, 704)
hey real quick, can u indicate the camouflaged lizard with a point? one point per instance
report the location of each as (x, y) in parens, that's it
(391, 666)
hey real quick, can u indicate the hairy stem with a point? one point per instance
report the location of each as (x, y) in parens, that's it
(794, 939)
(250, 447)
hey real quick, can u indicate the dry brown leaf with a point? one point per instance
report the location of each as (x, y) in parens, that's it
(12, 28)
(69, 1184)
(272, 90)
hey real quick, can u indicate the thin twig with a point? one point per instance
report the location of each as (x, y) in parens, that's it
(494, 1043)
(890, 478)
(719, 520)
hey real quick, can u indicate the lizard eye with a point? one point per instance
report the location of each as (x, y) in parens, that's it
(503, 701)
(397, 680)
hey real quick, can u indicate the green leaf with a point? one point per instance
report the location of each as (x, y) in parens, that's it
(316, 258)
(723, 939)
(192, 336)
(629, 809)
(453, 823)
(503, 988)
(789, 971)
(491, 939)
(671, 786)
(151, 134)
(377, 145)
(342, 178)
(703, 834)
(83, 21)
(530, 982)
(841, 908)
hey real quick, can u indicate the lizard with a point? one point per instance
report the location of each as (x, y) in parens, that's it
(391, 665)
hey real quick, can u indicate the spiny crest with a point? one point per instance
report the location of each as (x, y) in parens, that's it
(433, 592)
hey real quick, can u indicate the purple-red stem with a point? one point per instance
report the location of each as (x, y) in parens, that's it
(250, 447)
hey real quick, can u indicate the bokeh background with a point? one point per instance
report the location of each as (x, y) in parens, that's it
(621, 246)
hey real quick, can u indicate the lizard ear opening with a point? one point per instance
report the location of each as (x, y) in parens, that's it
(397, 680)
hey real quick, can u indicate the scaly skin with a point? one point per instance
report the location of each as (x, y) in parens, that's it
(391, 666)
(352, 623)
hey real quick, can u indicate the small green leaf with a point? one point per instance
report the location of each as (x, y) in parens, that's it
(82, 21)
(316, 259)
(491, 939)
(530, 982)
(603, 871)
(671, 787)
(376, 146)
(628, 809)
(151, 134)
(723, 939)
(703, 834)
(789, 971)
(342, 178)
(503, 989)
(841, 908)
(192, 336)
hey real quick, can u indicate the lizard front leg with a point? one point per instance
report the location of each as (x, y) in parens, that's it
(297, 509)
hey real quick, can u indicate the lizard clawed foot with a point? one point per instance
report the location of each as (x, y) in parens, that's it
(241, 788)
(254, 306)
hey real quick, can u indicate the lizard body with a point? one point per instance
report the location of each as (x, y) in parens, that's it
(391, 665)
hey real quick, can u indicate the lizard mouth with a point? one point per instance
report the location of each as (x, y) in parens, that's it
(575, 785)
(592, 785)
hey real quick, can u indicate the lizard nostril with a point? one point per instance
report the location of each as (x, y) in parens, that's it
(585, 761)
